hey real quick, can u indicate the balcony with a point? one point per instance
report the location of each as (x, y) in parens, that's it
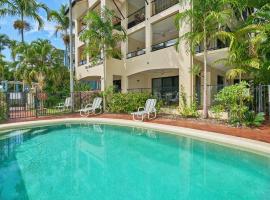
(164, 45)
(217, 45)
(136, 18)
(93, 64)
(82, 62)
(160, 5)
(136, 53)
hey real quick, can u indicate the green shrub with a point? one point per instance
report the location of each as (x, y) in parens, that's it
(3, 107)
(253, 119)
(217, 110)
(186, 110)
(128, 102)
(235, 100)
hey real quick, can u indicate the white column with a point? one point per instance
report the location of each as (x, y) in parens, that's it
(185, 76)
(76, 23)
(148, 28)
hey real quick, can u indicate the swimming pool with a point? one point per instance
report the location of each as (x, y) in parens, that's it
(92, 161)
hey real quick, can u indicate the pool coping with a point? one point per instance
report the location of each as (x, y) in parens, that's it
(212, 137)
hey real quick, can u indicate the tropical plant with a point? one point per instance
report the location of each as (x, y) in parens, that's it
(185, 109)
(80, 86)
(23, 9)
(235, 100)
(249, 43)
(207, 17)
(4, 41)
(128, 102)
(62, 25)
(3, 107)
(253, 119)
(40, 61)
(101, 38)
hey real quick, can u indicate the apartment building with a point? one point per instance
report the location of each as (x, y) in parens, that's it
(150, 61)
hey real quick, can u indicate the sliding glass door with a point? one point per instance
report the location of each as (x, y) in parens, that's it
(165, 88)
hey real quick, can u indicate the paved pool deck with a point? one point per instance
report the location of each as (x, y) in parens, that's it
(259, 134)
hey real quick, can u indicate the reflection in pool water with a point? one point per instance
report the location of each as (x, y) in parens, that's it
(110, 162)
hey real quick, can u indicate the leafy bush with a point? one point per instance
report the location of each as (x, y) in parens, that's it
(3, 107)
(253, 119)
(186, 110)
(128, 102)
(217, 110)
(235, 100)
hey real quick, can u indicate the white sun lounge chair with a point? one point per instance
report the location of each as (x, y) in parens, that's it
(147, 110)
(91, 108)
(66, 105)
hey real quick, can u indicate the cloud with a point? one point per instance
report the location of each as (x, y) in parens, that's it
(48, 28)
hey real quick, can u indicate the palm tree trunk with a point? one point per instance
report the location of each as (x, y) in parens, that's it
(205, 110)
(22, 30)
(240, 77)
(104, 78)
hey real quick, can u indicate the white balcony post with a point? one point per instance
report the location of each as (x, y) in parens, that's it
(148, 28)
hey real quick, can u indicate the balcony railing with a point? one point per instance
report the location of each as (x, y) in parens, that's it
(136, 17)
(161, 5)
(135, 53)
(82, 62)
(163, 45)
(93, 64)
(218, 45)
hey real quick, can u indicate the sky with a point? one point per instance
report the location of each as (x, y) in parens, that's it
(6, 27)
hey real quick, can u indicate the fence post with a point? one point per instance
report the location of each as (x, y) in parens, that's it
(260, 98)
(36, 102)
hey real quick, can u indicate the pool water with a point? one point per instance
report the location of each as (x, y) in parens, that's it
(111, 162)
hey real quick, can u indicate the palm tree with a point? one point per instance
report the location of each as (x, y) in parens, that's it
(41, 62)
(23, 8)
(101, 38)
(207, 18)
(249, 43)
(62, 25)
(4, 41)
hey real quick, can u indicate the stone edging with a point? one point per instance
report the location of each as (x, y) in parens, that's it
(226, 140)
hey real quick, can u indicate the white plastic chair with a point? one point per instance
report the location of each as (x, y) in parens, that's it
(147, 110)
(65, 105)
(91, 108)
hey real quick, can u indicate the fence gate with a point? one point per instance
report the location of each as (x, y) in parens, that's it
(20, 105)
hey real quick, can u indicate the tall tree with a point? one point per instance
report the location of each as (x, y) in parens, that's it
(23, 9)
(40, 61)
(249, 42)
(4, 41)
(62, 25)
(207, 18)
(101, 39)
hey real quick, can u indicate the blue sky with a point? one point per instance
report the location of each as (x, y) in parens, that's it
(6, 24)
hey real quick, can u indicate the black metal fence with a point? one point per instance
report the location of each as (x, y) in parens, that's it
(261, 98)
(15, 105)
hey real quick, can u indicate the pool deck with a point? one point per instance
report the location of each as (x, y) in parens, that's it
(259, 134)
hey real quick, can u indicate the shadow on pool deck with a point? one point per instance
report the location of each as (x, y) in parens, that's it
(260, 134)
